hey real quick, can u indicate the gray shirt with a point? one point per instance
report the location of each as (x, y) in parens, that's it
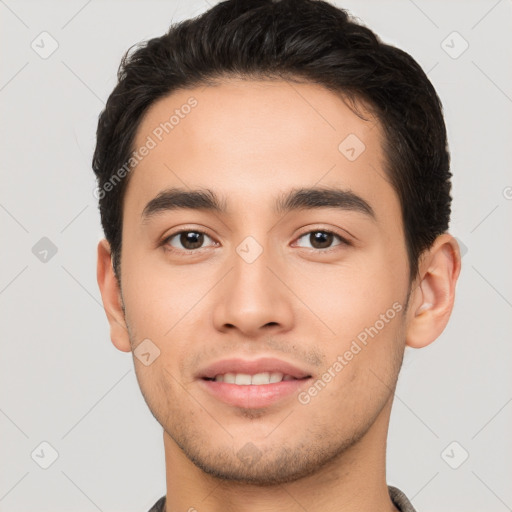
(398, 498)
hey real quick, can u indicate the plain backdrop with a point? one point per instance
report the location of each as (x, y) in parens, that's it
(62, 382)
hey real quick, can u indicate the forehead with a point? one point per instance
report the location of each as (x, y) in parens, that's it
(251, 139)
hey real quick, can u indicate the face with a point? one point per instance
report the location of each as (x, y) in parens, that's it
(272, 277)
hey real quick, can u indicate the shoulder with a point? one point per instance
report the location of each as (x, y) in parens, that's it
(159, 506)
(400, 500)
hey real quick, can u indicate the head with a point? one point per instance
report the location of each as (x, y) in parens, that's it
(273, 183)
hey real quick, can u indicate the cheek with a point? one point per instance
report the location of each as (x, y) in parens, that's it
(159, 387)
(352, 295)
(164, 306)
(359, 375)
(156, 296)
(360, 307)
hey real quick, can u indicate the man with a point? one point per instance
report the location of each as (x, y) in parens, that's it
(274, 189)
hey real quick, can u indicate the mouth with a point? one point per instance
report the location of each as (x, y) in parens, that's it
(246, 379)
(252, 384)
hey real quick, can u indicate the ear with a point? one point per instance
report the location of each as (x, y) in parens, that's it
(432, 300)
(111, 297)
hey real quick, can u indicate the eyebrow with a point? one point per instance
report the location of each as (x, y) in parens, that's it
(295, 199)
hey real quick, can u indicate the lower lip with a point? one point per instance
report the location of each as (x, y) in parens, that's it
(251, 396)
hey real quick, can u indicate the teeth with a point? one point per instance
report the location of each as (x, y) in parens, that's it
(244, 379)
(276, 377)
(260, 378)
(229, 377)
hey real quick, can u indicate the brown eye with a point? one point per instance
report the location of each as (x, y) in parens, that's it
(321, 239)
(187, 240)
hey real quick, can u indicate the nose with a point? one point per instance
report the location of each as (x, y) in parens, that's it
(253, 300)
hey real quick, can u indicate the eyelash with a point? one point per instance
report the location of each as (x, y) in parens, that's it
(165, 241)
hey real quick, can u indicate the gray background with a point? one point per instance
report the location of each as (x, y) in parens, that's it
(61, 380)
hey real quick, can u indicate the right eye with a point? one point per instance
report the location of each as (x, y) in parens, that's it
(186, 240)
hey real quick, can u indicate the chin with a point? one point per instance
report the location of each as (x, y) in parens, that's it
(271, 466)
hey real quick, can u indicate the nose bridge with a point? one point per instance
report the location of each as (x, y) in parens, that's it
(250, 272)
(251, 277)
(251, 296)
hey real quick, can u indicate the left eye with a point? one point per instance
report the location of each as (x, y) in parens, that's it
(321, 239)
(187, 240)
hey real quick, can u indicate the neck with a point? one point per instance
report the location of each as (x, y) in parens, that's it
(353, 481)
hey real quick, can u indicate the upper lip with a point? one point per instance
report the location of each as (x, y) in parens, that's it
(251, 367)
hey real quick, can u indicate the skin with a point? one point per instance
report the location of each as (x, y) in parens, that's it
(249, 141)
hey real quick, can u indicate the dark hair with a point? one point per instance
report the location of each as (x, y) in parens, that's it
(302, 40)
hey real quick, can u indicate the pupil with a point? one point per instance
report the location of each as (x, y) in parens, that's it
(320, 239)
(191, 239)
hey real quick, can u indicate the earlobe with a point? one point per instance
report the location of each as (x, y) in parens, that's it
(435, 294)
(111, 297)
